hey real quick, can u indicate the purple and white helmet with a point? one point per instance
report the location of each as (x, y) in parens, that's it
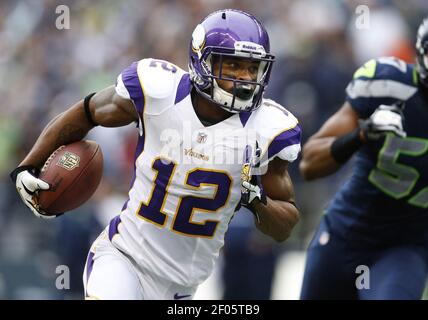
(230, 33)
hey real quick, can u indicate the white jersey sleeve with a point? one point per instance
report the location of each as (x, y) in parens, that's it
(151, 84)
(279, 132)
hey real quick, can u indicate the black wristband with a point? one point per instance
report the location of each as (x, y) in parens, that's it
(345, 146)
(18, 170)
(87, 111)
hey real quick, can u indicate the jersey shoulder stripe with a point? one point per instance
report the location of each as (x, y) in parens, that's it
(279, 129)
(128, 86)
(385, 77)
(153, 85)
(286, 138)
(184, 88)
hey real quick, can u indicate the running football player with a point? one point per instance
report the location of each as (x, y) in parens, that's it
(372, 243)
(209, 142)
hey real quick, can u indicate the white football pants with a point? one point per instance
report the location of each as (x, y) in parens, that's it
(110, 275)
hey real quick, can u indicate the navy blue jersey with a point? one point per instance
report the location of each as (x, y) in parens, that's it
(386, 198)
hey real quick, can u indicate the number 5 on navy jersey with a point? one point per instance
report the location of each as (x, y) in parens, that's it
(395, 179)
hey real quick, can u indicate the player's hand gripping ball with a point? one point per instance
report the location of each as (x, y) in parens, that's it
(68, 178)
(73, 172)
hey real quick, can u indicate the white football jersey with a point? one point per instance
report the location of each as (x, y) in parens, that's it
(186, 186)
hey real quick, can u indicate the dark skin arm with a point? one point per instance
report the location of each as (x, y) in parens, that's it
(317, 161)
(107, 109)
(279, 216)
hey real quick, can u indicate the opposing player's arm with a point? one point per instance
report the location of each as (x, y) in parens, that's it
(375, 95)
(106, 108)
(279, 215)
(317, 159)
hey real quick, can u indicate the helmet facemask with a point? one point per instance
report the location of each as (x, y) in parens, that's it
(246, 95)
(422, 53)
(422, 67)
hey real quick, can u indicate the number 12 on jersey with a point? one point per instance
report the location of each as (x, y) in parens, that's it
(153, 209)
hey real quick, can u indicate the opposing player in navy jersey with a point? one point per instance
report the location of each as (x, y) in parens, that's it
(372, 243)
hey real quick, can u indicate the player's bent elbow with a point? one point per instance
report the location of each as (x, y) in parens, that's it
(293, 217)
(282, 237)
(306, 170)
(314, 169)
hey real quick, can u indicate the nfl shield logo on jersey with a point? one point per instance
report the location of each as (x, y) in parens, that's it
(202, 137)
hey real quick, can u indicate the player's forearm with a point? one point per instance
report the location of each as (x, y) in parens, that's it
(67, 127)
(317, 160)
(277, 218)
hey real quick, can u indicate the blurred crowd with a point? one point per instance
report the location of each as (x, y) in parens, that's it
(44, 70)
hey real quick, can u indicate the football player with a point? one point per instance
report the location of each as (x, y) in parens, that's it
(185, 189)
(372, 243)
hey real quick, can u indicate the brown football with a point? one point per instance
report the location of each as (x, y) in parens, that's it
(74, 172)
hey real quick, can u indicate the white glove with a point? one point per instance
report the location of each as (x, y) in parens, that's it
(251, 186)
(254, 192)
(384, 119)
(28, 186)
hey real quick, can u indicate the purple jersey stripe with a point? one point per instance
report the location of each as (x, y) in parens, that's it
(89, 265)
(138, 151)
(183, 88)
(284, 139)
(132, 83)
(125, 205)
(112, 229)
(244, 116)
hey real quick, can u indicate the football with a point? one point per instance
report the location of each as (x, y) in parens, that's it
(74, 172)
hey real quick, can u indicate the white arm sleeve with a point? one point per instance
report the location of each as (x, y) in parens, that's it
(289, 153)
(121, 89)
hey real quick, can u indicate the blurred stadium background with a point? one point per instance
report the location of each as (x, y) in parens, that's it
(44, 70)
